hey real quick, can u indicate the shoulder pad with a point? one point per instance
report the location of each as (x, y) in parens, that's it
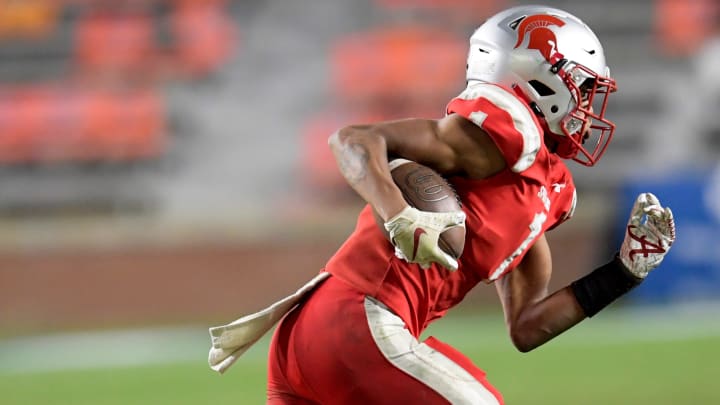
(505, 118)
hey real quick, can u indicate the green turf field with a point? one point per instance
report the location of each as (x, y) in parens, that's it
(615, 359)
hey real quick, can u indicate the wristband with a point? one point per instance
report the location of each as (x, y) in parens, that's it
(603, 285)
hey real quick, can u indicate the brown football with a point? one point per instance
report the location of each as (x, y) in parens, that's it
(426, 190)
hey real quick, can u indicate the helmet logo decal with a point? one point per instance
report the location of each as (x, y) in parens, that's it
(541, 37)
(514, 24)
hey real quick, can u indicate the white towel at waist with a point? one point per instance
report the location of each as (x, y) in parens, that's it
(230, 341)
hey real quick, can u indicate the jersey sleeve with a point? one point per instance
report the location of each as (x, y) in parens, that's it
(505, 118)
(568, 204)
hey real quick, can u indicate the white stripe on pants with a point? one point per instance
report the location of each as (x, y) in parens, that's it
(421, 361)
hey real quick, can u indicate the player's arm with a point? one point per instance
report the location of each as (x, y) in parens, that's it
(451, 145)
(533, 317)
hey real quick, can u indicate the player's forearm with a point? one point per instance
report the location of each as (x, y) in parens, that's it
(361, 155)
(541, 322)
(556, 313)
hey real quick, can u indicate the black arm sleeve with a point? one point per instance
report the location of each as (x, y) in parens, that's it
(603, 285)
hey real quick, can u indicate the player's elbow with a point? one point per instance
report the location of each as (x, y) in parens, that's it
(344, 135)
(524, 337)
(335, 139)
(521, 342)
(345, 141)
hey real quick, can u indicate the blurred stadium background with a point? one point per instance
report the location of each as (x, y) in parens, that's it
(163, 168)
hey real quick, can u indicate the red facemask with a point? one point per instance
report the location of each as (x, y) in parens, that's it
(587, 132)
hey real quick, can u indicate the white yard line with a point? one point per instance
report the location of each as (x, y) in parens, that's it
(88, 350)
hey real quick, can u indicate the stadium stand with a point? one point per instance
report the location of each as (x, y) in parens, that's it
(397, 62)
(224, 115)
(682, 26)
(465, 12)
(85, 83)
(46, 124)
(212, 130)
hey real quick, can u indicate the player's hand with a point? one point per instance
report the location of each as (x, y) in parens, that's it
(648, 236)
(415, 235)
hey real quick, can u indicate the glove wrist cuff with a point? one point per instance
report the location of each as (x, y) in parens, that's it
(403, 213)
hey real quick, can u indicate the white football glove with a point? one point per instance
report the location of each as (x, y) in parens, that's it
(649, 234)
(415, 235)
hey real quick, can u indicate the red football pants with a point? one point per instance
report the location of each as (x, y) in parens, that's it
(340, 347)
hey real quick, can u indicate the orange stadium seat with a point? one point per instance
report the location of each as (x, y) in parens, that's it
(28, 18)
(25, 115)
(461, 11)
(123, 126)
(682, 26)
(409, 63)
(441, 4)
(49, 125)
(141, 124)
(114, 42)
(204, 34)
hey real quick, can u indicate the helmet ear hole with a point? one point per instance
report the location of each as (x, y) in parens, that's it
(541, 88)
(554, 109)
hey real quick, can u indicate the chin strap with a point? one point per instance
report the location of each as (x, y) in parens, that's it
(561, 145)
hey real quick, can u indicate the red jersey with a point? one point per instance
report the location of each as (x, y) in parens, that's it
(506, 214)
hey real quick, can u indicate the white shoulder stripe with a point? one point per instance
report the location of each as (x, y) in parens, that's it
(522, 119)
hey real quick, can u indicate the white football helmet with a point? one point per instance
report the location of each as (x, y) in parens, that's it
(556, 63)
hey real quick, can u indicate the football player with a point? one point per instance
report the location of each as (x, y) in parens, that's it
(537, 90)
